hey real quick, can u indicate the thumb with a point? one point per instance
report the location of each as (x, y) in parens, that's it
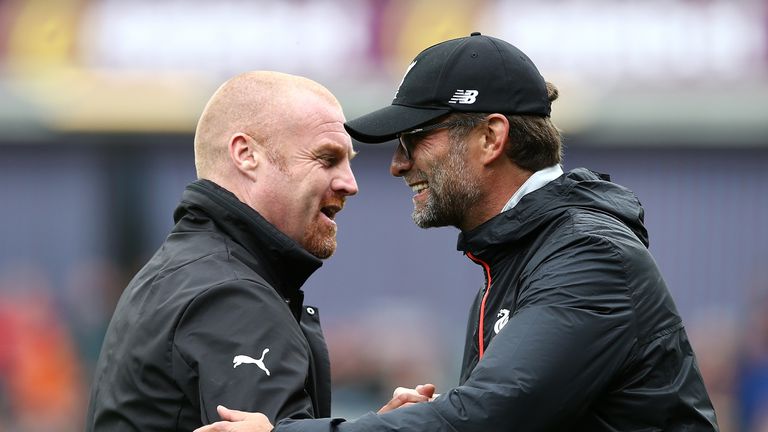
(230, 414)
(427, 390)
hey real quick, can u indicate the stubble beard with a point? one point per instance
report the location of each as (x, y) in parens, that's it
(453, 191)
(321, 240)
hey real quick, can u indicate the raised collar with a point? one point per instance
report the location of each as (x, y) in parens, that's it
(534, 182)
(280, 260)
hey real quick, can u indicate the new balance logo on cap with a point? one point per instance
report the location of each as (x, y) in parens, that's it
(464, 97)
(449, 77)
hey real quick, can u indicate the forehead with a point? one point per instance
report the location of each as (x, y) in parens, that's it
(317, 120)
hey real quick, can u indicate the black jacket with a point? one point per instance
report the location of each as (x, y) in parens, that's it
(215, 317)
(579, 332)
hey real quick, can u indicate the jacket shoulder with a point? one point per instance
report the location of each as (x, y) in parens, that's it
(202, 259)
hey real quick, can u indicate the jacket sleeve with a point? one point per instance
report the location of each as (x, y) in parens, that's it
(238, 345)
(571, 334)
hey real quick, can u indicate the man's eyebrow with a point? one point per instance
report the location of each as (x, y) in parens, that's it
(337, 147)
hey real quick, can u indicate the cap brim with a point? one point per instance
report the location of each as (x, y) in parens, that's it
(385, 124)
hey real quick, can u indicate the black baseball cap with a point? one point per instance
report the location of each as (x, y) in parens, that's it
(476, 73)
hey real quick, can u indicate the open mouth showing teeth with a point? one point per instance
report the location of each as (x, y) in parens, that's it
(330, 211)
(418, 187)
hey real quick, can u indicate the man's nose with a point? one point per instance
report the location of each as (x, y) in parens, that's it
(400, 164)
(345, 184)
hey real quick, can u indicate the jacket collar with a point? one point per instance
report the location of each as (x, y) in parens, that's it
(279, 259)
(536, 181)
(579, 188)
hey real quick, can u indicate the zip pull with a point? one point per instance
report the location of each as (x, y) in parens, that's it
(481, 325)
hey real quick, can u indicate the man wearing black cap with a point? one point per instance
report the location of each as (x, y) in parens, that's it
(574, 328)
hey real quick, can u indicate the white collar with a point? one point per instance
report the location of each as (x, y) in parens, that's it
(534, 182)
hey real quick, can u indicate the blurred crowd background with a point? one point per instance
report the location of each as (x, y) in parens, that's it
(98, 104)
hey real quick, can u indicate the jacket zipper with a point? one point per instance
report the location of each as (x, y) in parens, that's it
(481, 325)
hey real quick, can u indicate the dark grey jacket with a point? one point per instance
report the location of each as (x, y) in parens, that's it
(579, 332)
(215, 317)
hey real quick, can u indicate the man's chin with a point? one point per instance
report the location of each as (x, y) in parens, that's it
(324, 253)
(428, 219)
(321, 248)
(424, 218)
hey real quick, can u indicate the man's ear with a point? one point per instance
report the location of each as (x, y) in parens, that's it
(496, 133)
(244, 154)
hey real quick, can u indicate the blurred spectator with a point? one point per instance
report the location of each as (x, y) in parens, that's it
(92, 290)
(394, 344)
(39, 368)
(713, 338)
(752, 369)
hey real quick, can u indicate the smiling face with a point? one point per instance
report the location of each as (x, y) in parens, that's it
(441, 177)
(308, 182)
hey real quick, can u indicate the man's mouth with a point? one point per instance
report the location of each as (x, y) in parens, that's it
(418, 187)
(331, 210)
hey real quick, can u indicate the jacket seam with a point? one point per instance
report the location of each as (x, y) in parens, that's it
(165, 272)
(625, 280)
(642, 341)
(661, 333)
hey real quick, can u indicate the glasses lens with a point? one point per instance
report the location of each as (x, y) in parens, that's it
(408, 140)
(407, 143)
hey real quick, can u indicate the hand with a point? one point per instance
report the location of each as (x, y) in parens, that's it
(238, 421)
(405, 396)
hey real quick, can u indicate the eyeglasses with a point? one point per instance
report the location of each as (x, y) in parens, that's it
(409, 139)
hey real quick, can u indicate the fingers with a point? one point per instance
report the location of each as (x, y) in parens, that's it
(391, 407)
(402, 397)
(230, 414)
(427, 390)
(238, 421)
(226, 426)
(403, 390)
(239, 416)
(221, 426)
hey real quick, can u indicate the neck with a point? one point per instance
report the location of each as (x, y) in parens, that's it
(498, 185)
